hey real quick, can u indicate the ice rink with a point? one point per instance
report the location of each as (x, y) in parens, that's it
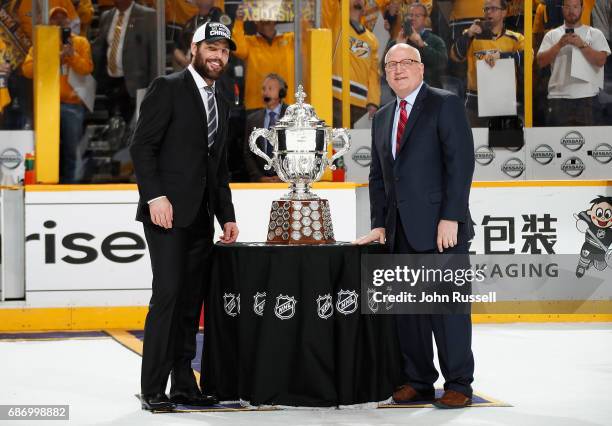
(551, 374)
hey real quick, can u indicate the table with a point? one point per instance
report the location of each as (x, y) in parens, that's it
(282, 327)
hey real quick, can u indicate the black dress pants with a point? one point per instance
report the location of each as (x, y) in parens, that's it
(453, 334)
(180, 264)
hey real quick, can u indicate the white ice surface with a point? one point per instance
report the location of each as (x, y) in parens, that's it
(552, 374)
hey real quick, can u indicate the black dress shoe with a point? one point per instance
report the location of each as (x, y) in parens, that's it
(156, 402)
(193, 398)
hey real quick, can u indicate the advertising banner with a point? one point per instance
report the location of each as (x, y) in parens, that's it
(277, 10)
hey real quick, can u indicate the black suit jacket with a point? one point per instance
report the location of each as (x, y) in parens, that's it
(171, 156)
(431, 176)
(253, 163)
(139, 53)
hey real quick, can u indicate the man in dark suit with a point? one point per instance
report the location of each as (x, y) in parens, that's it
(179, 150)
(125, 55)
(273, 90)
(420, 178)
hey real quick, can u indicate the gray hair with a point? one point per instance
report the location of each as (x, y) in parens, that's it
(403, 45)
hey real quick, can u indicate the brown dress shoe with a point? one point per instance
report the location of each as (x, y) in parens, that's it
(406, 393)
(453, 399)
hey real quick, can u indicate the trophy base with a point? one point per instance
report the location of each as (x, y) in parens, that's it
(295, 222)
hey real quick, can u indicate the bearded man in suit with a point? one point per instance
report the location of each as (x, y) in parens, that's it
(179, 150)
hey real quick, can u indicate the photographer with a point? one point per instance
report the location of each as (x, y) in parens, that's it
(75, 57)
(396, 13)
(430, 46)
(490, 41)
(571, 100)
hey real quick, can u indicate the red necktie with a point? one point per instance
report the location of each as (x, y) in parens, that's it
(401, 126)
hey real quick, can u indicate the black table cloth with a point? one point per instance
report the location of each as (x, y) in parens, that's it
(283, 326)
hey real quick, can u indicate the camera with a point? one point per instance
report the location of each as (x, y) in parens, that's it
(66, 35)
(486, 33)
(407, 27)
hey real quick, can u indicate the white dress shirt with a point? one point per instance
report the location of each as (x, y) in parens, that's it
(201, 83)
(109, 40)
(410, 102)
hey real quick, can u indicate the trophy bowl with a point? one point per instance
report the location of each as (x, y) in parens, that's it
(300, 141)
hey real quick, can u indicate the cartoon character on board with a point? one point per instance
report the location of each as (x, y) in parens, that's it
(596, 224)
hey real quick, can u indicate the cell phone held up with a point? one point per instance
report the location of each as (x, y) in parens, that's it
(569, 31)
(66, 35)
(407, 27)
(486, 33)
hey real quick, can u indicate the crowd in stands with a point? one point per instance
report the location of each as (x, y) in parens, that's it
(114, 44)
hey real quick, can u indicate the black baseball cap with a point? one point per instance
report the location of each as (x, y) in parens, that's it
(213, 31)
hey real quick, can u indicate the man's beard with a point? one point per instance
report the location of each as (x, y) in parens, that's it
(572, 20)
(205, 71)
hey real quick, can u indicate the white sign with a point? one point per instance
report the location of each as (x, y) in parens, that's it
(495, 99)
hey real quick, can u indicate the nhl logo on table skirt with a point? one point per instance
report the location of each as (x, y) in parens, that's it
(325, 306)
(347, 302)
(231, 304)
(372, 304)
(259, 303)
(285, 307)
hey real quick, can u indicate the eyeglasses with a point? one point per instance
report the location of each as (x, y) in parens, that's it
(415, 15)
(403, 64)
(491, 9)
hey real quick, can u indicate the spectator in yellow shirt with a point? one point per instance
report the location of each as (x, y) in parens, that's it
(23, 11)
(5, 71)
(178, 12)
(265, 53)
(490, 41)
(75, 56)
(85, 11)
(364, 66)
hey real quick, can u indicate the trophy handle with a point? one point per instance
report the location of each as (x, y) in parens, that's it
(344, 135)
(266, 134)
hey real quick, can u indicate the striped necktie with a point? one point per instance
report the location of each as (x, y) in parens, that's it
(114, 47)
(212, 115)
(401, 126)
(271, 123)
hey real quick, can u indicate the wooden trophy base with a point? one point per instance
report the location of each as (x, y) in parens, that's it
(300, 222)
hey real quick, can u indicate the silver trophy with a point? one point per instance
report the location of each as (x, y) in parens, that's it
(299, 156)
